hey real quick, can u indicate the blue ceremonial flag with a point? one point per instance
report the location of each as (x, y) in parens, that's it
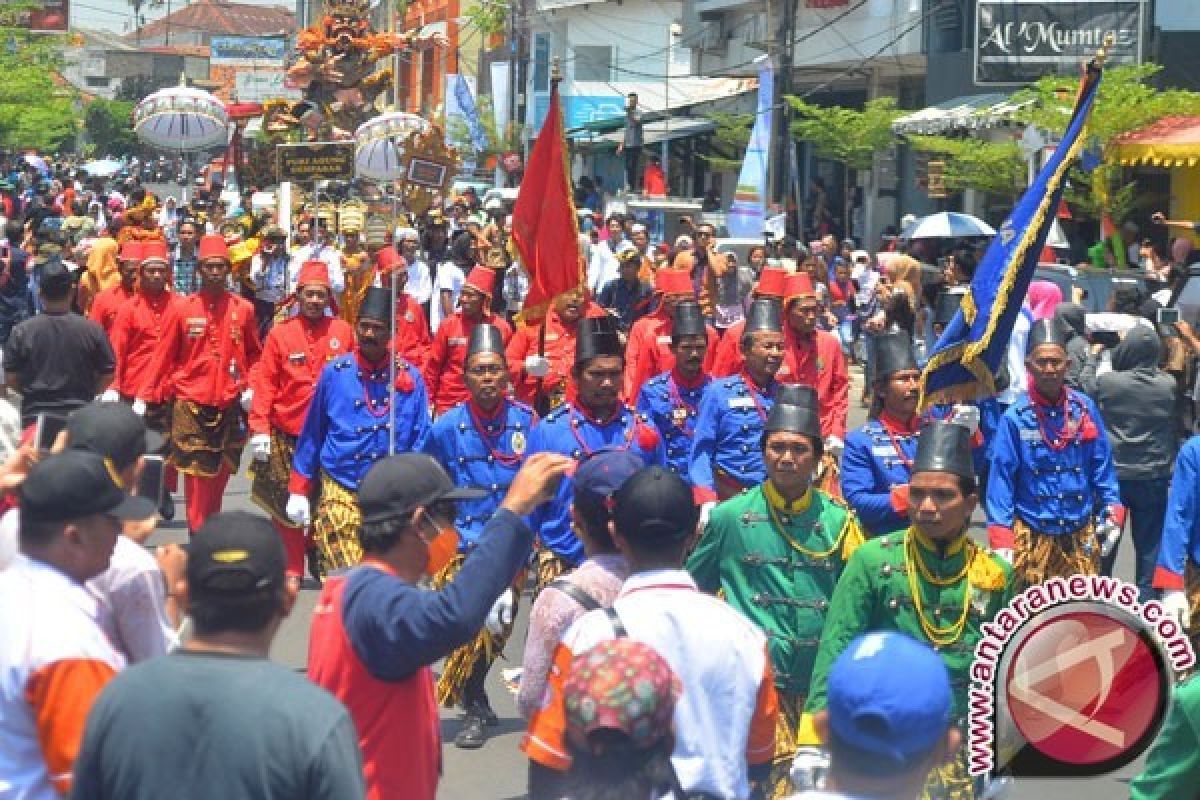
(963, 364)
(466, 107)
(748, 212)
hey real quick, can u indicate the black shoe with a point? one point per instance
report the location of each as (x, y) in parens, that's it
(472, 735)
(484, 709)
(166, 509)
(315, 571)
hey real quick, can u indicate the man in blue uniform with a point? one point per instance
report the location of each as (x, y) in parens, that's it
(594, 420)
(1053, 506)
(670, 400)
(481, 442)
(1178, 573)
(349, 428)
(726, 452)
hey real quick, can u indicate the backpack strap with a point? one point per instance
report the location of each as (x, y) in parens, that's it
(575, 593)
(618, 626)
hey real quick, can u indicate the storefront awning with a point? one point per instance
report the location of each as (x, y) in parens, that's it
(971, 112)
(1170, 142)
(656, 132)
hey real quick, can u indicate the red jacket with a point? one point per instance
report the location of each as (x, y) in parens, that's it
(728, 359)
(107, 304)
(818, 361)
(412, 330)
(136, 334)
(285, 377)
(444, 368)
(648, 352)
(560, 352)
(208, 348)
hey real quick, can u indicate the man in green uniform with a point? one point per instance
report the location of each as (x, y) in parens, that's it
(932, 582)
(775, 552)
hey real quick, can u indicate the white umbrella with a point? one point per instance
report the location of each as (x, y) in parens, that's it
(102, 168)
(947, 225)
(182, 119)
(377, 144)
(37, 162)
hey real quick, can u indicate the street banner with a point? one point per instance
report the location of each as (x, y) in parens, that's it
(545, 230)
(966, 359)
(248, 51)
(749, 209)
(1019, 41)
(500, 98)
(464, 101)
(37, 16)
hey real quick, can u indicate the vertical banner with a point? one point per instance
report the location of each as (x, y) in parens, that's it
(460, 102)
(749, 209)
(501, 86)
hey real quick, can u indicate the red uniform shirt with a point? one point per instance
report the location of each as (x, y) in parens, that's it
(136, 335)
(818, 361)
(107, 304)
(559, 351)
(412, 330)
(444, 368)
(728, 358)
(285, 378)
(208, 347)
(648, 352)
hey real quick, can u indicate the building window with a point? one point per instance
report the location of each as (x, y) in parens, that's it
(593, 62)
(95, 82)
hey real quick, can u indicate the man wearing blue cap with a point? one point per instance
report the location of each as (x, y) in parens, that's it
(931, 581)
(887, 722)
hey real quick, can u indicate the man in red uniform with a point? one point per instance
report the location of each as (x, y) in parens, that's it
(412, 326)
(136, 335)
(444, 367)
(209, 343)
(553, 365)
(108, 302)
(814, 358)
(294, 353)
(728, 359)
(648, 352)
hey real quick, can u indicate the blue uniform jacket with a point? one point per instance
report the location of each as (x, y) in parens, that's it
(343, 437)
(870, 468)
(1052, 491)
(1181, 527)
(457, 445)
(672, 409)
(567, 431)
(729, 433)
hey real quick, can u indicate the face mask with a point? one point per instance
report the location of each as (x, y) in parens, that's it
(442, 548)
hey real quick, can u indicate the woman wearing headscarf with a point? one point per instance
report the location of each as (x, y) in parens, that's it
(1044, 297)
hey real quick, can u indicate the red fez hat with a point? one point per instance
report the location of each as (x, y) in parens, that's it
(213, 246)
(673, 281)
(131, 250)
(798, 285)
(771, 282)
(388, 259)
(313, 272)
(482, 279)
(154, 250)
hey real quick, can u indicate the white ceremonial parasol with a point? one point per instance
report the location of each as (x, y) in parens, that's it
(182, 119)
(947, 225)
(377, 150)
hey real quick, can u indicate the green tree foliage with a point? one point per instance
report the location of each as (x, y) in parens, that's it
(993, 167)
(488, 16)
(498, 142)
(729, 140)
(107, 123)
(35, 112)
(846, 135)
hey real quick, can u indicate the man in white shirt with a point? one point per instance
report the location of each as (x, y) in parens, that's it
(603, 265)
(319, 249)
(420, 284)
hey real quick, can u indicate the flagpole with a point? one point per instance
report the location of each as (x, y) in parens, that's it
(392, 368)
(539, 394)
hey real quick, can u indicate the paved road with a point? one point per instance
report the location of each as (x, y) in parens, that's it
(497, 771)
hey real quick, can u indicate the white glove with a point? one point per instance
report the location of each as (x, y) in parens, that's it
(110, 396)
(809, 768)
(705, 510)
(1004, 552)
(834, 446)
(298, 510)
(967, 416)
(247, 399)
(501, 615)
(139, 407)
(260, 446)
(1175, 603)
(537, 366)
(1109, 534)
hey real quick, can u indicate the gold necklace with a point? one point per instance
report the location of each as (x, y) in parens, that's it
(778, 524)
(938, 636)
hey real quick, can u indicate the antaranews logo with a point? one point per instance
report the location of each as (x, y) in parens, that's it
(1072, 678)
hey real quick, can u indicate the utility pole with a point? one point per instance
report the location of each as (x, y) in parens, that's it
(786, 47)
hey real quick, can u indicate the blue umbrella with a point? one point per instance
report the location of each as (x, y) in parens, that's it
(102, 168)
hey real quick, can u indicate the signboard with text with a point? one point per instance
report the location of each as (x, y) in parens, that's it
(316, 161)
(248, 51)
(39, 16)
(1019, 41)
(258, 86)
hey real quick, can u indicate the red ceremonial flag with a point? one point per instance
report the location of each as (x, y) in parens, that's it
(545, 230)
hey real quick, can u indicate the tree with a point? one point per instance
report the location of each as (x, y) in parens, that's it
(498, 142)
(107, 123)
(730, 138)
(35, 112)
(993, 167)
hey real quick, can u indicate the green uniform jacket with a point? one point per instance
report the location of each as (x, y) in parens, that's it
(783, 591)
(874, 595)
(1173, 765)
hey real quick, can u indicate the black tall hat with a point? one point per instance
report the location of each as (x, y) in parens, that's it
(485, 338)
(689, 320)
(947, 305)
(794, 418)
(377, 305)
(597, 337)
(797, 395)
(1046, 331)
(944, 447)
(893, 352)
(765, 314)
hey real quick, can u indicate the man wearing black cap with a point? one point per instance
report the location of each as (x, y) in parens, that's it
(724, 739)
(375, 632)
(480, 442)
(776, 551)
(671, 400)
(932, 582)
(594, 420)
(219, 708)
(726, 451)
(54, 656)
(57, 361)
(357, 417)
(1053, 503)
